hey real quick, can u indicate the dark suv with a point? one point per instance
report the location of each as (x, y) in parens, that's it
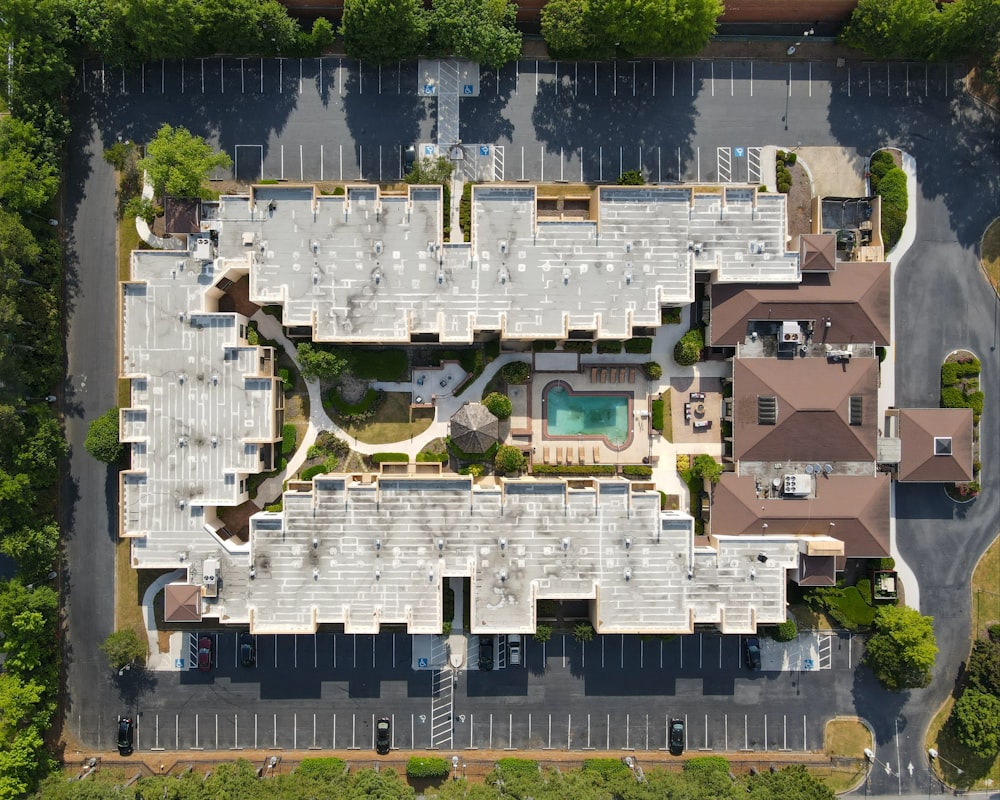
(751, 648)
(125, 736)
(676, 737)
(486, 653)
(248, 650)
(383, 736)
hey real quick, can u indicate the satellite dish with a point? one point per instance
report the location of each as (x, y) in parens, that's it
(817, 468)
(828, 468)
(809, 469)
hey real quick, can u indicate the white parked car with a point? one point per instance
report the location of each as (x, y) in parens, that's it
(514, 649)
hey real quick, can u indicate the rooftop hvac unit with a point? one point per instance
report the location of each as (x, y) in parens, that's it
(210, 580)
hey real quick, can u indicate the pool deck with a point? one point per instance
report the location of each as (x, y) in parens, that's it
(591, 449)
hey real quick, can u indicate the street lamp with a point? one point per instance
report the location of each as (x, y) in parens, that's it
(791, 48)
(934, 755)
(870, 757)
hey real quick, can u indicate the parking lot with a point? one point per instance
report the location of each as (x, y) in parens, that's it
(618, 692)
(549, 121)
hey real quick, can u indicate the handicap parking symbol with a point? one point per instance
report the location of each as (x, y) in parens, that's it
(484, 149)
(179, 663)
(421, 662)
(428, 88)
(429, 149)
(808, 664)
(738, 152)
(467, 88)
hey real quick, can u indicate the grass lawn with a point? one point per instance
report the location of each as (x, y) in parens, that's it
(840, 779)
(986, 590)
(846, 738)
(128, 240)
(991, 253)
(391, 422)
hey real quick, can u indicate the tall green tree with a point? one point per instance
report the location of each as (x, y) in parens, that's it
(887, 28)
(567, 27)
(178, 163)
(103, 441)
(124, 647)
(27, 181)
(318, 364)
(901, 652)
(976, 719)
(479, 30)
(384, 30)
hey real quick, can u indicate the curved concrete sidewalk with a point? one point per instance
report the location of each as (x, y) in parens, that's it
(157, 660)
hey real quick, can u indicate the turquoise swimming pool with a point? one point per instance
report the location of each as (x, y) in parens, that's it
(586, 414)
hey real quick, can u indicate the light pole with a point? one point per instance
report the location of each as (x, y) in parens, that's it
(870, 756)
(934, 755)
(791, 48)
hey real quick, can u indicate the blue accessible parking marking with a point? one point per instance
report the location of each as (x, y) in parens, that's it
(738, 152)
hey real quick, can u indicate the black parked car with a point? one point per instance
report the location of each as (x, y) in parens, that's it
(676, 737)
(125, 733)
(751, 648)
(248, 650)
(383, 736)
(486, 652)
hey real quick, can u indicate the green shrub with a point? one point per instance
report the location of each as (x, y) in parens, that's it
(892, 189)
(517, 769)
(311, 472)
(975, 402)
(541, 345)
(785, 631)
(637, 471)
(949, 374)
(427, 767)
(704, 466)
(653, 370)
(273, 506)
(102, 440)
(492, 349)
(577, 346)
(516, 372)
(465, 211)
(670, 316)
(475, 470)
(880, 163)
(446, 627)
(609, 346)
(322, 769)
(994, 633)
(361, 410)
(328, 443)
(509, 459)
(441, 458)
(583, 632)
(657, 414)
(253, 338)
(288, 435)
(893, 221)
(688, 350)
(952, 397)
(542, 632)
(287, 384)
(381, 458)
(639, 345)
(608, 768)
(888, 563)
(632, 177)
(498, 404)
(573, 469)
(864, 586)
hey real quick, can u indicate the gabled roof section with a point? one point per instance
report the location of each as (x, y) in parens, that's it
(856, 299)
(812, 397)
(817, 252)
(936, 444)
(857, 507)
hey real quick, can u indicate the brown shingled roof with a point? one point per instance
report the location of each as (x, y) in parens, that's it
(817, 252)
(182, 602)
(813, 396)
(919, 461)
(856, 298)
(858, 507)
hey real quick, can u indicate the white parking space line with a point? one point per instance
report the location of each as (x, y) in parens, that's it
(143, 80)
(274, 638)
(751, 78)
(222, 76)
(712, 64)
(300, 76)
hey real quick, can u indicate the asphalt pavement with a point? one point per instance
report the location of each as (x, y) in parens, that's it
(337, 119)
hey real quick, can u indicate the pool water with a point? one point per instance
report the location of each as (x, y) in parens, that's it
(572, 414)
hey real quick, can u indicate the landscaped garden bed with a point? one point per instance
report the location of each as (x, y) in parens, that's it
(960, 389)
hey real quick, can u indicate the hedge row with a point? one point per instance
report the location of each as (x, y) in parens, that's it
(440, 458)
(637, 471)
(381, 458)
(311, 472)
(609, 346)
(427, 767)
(377, 365)
(573, 469)
(288, 435)
(640, 345)
(657, 421)
(577, 346)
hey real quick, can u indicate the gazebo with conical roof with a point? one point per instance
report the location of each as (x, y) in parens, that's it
(474, 428)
